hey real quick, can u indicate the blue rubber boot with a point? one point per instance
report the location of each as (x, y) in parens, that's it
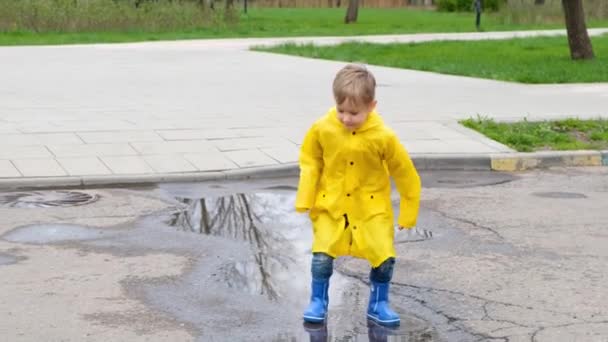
(378, 309)
(316, 312)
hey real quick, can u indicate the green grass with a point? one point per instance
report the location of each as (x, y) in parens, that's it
(275, 22)
(525, 136)
(527, 60)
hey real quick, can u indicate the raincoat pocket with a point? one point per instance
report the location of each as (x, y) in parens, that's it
(321, 204)
(374, 203)
(326, 201)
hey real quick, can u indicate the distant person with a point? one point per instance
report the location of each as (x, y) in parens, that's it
(477, 5)
(346, 161)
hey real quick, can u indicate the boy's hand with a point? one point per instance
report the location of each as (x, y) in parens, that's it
(417, 233)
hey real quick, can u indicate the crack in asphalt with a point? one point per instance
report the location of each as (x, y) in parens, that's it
(466, 221)
(533, 336)
(451, 320)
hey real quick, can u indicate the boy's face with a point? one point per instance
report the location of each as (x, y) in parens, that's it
(352, 115)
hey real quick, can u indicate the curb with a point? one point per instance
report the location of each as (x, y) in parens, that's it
(538, 160)
(505, 162)
(39, 183)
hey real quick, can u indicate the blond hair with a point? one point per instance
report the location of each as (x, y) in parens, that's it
(354, 83)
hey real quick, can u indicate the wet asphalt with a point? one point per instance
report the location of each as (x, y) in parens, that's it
(249, 259)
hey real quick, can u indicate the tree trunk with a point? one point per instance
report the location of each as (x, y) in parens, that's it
(352, 12)
(578, 38)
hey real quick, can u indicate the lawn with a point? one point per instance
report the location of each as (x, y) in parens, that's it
(525, 136)
(259, 22)
(527, 60)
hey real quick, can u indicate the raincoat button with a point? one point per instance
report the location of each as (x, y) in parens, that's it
(372, 196)
(352, 163)
(355, 227)
(354, 133)
(347, 195)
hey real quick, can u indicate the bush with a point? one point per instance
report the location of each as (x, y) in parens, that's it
(467, 5)
(109, 15)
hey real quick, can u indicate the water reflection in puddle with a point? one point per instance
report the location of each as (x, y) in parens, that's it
(374, 333)
(255, 219)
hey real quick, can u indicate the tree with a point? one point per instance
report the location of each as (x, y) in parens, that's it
(352, 12)
(578, 38)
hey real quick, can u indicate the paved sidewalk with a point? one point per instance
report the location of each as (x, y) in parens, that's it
(163, 108)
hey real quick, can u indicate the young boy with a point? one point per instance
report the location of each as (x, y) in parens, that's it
(346, 162)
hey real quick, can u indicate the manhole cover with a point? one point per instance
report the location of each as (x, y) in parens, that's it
(46, 199)
(559, 194)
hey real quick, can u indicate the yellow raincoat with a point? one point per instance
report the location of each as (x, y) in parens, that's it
(345, 175)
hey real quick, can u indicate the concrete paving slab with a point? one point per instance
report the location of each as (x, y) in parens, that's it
(210, 161)
(250, 158)
(39, 139)
(91, 150)
(249, 143)
(8, 170)
(283, 154)
(198, 134)
(84, 166)
(93, 125)
(169, 164)
(172, 147)
(18, 140)
(39, 167)
(36, 127)
(447, 146)
(22, 152)
(127, 165)
(118, 136)
(8, 128)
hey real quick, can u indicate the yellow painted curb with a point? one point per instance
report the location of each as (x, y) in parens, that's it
(521, 162)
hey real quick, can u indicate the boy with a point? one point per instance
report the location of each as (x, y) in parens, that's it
(346, 160)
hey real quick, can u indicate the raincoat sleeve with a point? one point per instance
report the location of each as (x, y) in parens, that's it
(406, 179)
(311, 165)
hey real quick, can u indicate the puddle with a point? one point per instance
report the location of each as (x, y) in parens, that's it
(46, 199)
(52, 233)
(279, 241)
(7, 259)
(267, 222)
(556, 194)
(409, 331)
